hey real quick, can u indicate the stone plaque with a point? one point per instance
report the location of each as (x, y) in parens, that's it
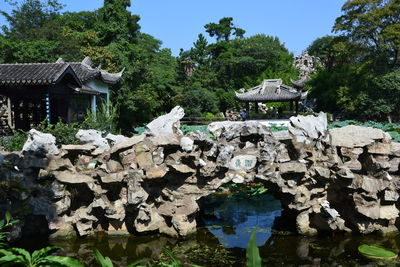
(243, 162)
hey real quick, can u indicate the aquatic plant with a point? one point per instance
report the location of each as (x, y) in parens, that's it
(253, 258)
(201, 253)
(21, 257)
(247, 190)
(101, 260)
(376, 252)
(4, 224)
(276, 128)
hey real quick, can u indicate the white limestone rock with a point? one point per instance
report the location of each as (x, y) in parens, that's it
(166, 124)
(327, 207)
(40, 143)
(93, 137)
(309, 126)
(115, 139)
(225, 154)
(127, 143)
(355, 136)
(292, 167)
(187, 144)
(68, 177)
(388, 212)
(229, 130)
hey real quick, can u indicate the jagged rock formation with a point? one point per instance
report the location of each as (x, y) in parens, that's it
(338, 180)
(306, 65)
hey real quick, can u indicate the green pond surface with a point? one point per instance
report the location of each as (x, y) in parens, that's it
(226, 226)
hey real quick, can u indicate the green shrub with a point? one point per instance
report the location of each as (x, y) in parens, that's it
(64, 133)
(21, 257)
(105, 119)
(13, 143)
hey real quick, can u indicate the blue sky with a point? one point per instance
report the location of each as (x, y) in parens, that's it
(178, 22)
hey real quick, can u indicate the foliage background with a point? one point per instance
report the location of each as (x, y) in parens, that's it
(359, 78)
(202, 79)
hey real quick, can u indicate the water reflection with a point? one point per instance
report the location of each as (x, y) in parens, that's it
(232, 220)
(277, 251)
(230, 223)
(323, 251)
(121, 249)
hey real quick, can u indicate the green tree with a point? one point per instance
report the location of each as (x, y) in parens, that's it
(197, 101)
(118, 24)
(323, 48)
(376, 25)
(224, 29)
(360, 80)
(29, 16)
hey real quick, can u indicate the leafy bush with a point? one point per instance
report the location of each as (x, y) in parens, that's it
(5, 224)
(13, 143)
(198, 101)
(105, 119)
(21, 257)
(65, 133)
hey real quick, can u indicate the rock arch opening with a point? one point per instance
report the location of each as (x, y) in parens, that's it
(234, 211)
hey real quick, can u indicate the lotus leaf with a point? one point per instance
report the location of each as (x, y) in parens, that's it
(376, 252)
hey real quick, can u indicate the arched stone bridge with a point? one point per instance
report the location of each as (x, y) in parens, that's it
(344, 179)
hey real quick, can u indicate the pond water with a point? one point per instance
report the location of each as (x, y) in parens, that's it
(221, 241)
(233, 219)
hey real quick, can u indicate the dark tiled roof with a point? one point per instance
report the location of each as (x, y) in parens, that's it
(83, 89)
(83, 72)
(49, 73)
(270, 91)
(35, 73)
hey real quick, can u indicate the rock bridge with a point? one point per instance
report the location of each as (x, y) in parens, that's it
(342, 180)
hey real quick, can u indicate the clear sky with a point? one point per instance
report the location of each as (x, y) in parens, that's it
(178, 22)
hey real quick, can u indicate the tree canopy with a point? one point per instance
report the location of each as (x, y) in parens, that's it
(358, 79)
(361, 63)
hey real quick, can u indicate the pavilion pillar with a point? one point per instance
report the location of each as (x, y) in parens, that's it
(94, 106)
(297, 107)
(48, 108)
(291, 107)
(9, 114)
(256, 107)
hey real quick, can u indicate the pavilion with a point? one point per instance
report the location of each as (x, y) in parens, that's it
(270, 90)
(32, 92)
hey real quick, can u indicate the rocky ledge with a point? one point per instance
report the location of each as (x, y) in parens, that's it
(342, 180)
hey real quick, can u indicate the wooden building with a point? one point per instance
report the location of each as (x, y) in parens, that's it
(33, 92)
(271, 90)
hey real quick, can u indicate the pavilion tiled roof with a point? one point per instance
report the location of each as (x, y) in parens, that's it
(84, 73)
(32, 73)
(271, 90)
(49, 73)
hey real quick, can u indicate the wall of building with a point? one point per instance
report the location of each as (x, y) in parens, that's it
(102, 88)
